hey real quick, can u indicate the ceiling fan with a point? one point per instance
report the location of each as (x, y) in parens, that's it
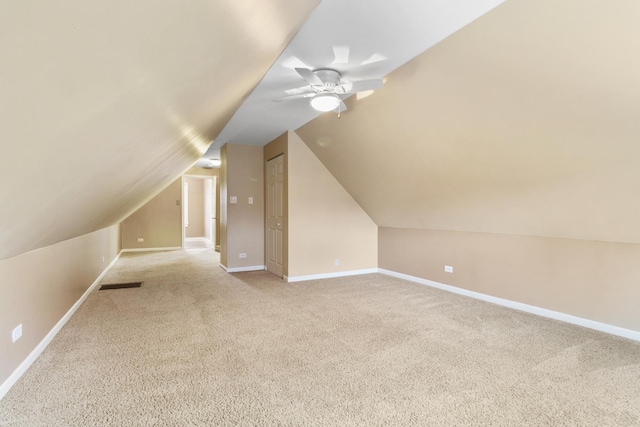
(326, 87)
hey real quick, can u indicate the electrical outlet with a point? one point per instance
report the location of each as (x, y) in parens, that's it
(337, 262)
(250, 200)
(16, 333)
(448, 269)
(140, 239)
(243, 255)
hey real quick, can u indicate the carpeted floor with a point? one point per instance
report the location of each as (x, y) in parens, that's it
(197, 346)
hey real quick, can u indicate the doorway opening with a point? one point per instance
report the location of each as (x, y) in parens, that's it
(200, 212)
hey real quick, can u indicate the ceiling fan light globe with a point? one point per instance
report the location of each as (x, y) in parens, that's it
(325, 102)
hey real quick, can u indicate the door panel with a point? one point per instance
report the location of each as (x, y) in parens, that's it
(275, 215)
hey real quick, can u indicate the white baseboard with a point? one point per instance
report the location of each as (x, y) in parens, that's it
(330, 275)
(568, 318)
(198, 239)
(26, 363)
(172, 248)
(242, 269)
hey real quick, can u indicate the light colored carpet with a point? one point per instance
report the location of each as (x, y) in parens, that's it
(197, 346)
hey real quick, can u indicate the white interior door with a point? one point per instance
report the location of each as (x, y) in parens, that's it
(275, 202)
(214, 211)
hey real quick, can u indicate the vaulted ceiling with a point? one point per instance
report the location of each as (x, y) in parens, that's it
(524, 122)
(103, 103)
(360, 39)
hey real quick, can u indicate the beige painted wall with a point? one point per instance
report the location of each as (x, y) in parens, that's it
(275, 148)
(519, 141)
(243, 223)
(222, 212)
(209, 196)
(95, 117)
(325, 222)
(507, 126)
(37, 289)
(196, 207)
(159, 222)
(593, 280)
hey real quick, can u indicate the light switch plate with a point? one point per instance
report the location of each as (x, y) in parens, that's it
(233, 199)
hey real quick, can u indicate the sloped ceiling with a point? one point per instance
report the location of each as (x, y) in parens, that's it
(103, 103)
(360, 39)
(524, 122)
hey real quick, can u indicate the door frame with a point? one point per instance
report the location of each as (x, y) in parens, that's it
(284, 213)
(216, 206)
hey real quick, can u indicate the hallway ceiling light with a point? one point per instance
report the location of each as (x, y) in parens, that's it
(325, 101)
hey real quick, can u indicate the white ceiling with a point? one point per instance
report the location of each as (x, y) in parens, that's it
(382, 34)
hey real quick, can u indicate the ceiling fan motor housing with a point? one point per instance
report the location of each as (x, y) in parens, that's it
(330, 78)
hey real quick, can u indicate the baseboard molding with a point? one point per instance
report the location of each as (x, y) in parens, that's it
(172, 248)
(26, 363)
(330, 275)
(242, 269)
(199, 239)
(551, 314)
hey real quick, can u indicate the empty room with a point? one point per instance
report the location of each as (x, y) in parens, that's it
(320, 212)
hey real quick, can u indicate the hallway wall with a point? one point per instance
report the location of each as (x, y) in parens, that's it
(242, 223)
(158, 222)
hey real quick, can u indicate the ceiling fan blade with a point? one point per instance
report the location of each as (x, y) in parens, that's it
(292, 97)
(309, 76)
(340, 55)
(360, 86)
(299, 90)
(376, 57)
